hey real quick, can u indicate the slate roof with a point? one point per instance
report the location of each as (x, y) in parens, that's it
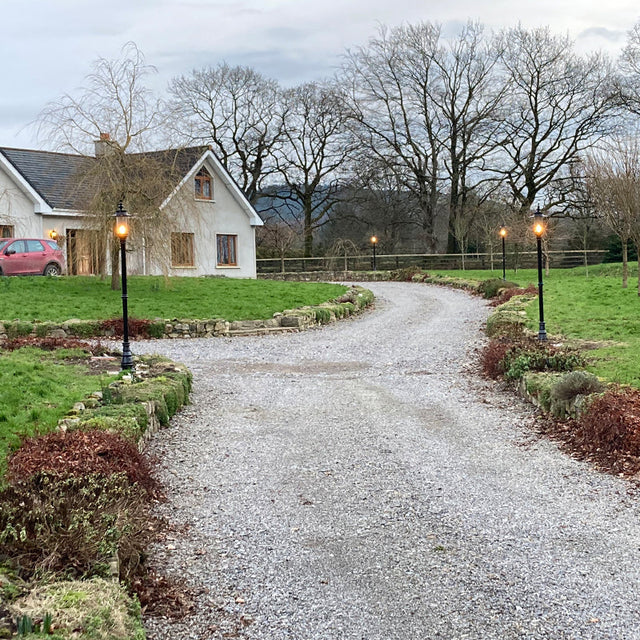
(60, 178)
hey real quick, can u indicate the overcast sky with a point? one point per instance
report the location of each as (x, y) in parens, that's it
(48, 46)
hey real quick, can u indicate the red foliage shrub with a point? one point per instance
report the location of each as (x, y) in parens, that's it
(612, 423)
(492, 357)
(507, 294)
(138, 328)
(80, 453)
(51, 344)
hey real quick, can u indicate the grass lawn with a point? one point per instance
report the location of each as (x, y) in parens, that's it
(37, 388)
(89, 298)
(589, 308)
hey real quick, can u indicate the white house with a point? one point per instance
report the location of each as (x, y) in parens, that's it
(41, 195)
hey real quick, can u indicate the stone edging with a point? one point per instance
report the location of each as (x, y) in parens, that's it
(136, 405)
(534, 386)
(355, 300)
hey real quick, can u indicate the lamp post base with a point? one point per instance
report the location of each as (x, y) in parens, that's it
(127, 357)
(542, 333)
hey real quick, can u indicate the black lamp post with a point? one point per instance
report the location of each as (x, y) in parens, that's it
(374, 242)
(122, 231)
(503, 235)
(538, 229)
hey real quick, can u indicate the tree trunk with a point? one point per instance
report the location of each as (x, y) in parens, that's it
(308, 229)
(625, 265)
(638, 251)
(115, 266)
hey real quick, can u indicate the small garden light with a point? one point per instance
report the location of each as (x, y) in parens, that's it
(503, 235)
(121, 231)
(374, 242)
(539, 229)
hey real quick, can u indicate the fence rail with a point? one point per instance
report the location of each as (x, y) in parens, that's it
(519, 260)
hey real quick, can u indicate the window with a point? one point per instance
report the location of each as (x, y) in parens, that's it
(6, 231)
(227, 246)
(203, 185)
(34, 245)
(17, 247)
(182, 250)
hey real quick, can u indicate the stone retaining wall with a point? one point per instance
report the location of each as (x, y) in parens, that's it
(328, 276)
(353, 301)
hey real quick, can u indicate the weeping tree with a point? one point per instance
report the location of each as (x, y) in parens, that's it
(110, 121)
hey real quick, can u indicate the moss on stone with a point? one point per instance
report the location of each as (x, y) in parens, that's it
(18, 329)
(84, 610)
(538, 386)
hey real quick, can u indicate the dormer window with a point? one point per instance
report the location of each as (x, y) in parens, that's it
(203, 185)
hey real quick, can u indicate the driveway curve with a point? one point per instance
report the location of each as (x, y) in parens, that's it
(361, 482)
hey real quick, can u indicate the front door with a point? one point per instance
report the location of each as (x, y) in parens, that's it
(82, 252)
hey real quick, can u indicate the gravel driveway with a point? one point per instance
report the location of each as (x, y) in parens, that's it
(359, 482)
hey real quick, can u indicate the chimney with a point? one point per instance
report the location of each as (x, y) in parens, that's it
(103, 146)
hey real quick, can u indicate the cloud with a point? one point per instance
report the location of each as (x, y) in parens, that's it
(612, 35)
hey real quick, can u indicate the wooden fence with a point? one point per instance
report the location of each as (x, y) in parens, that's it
(519, 260)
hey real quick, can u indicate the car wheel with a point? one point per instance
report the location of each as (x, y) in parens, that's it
(52, 269)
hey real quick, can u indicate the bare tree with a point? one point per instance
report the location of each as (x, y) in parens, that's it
(390, 83)
(374, 203)
(313, 155)
(613, 175)
(629, 77)
(116, 108)
(467, 96)
(114, 99)
(278, 237)
(558, 105)
(238, 111)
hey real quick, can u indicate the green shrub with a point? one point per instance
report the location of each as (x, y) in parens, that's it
(155, 329)
(364, 298)
(128, 420)
(323, 315)
(576, 383)
(406, 274)
(491, 287)
(18, 329)
(519, 360)
(85, 329)
(539, 385)
(42, 329)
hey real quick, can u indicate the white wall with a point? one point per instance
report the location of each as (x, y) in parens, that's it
(206, 219)
(17, 210)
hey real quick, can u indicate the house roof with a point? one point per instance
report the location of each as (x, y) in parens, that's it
(64, 181)
(50, 174)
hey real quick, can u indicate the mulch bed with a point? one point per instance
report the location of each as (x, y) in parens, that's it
(607, 436)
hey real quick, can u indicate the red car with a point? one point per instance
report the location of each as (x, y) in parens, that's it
(30, 256)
